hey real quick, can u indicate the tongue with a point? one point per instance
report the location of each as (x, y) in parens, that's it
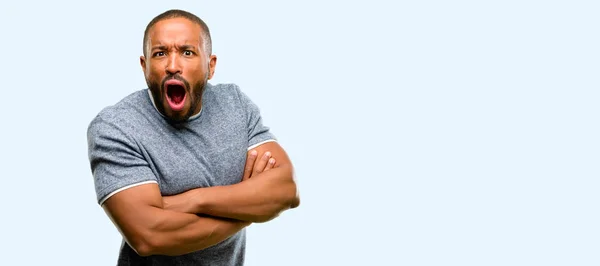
(175, 97)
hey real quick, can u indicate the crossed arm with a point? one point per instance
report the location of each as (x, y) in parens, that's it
(156, 225)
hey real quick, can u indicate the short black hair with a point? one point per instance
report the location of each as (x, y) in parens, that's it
(177, 13)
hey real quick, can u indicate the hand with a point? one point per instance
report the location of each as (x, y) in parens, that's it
(178, 202)
(254, 167)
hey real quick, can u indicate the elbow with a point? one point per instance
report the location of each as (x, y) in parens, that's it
(295, 201)
(288, 200)
(291, 195)
(143, 247)
(286, 196)
(144, 250)
(146, 245)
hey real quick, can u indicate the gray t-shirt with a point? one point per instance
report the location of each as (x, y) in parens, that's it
(130, 143)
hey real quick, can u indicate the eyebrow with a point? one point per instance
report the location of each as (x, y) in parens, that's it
(181, 47)
(187, 47)
(160, 47)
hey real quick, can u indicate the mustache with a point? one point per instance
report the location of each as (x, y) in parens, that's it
(176, 77)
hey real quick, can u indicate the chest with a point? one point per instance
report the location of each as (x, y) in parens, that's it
(208, 154)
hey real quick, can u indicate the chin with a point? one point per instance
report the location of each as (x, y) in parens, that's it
(179, 116)
(176, 120)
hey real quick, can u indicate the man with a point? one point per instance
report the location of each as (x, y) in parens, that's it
(176, 166)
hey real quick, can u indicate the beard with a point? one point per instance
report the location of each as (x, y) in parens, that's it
(158, 91)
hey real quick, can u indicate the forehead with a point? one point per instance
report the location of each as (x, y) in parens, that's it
(175, 30)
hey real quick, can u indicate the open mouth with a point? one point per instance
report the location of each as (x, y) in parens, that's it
(175, 94)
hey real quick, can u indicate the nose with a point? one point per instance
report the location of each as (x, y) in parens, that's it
(173, 65)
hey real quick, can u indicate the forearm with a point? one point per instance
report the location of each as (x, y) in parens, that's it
(258, 199)
(174, 233)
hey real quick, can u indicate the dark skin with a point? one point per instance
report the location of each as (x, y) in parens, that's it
(156, 225)
(152, 228)
(258, 199)
(175, 49)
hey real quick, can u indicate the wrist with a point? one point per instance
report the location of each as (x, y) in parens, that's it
(187, 202)
(196, 201)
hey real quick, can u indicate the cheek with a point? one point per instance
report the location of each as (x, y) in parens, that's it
(155, 70)
(155, 74)
(196, 74)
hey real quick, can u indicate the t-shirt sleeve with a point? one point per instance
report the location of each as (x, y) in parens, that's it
(258, 133)
(115, 160)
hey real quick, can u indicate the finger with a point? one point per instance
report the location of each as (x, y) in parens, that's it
(249, 164)
(261, 163)
(270, 164)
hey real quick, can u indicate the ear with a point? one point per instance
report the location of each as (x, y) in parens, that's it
(143, 64)
(212, 64)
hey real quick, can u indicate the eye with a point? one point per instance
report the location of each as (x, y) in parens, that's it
(188, 52)
(159, 54)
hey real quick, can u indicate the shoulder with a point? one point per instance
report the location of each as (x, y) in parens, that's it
(229, 93)
(223, 91)
(224, 97)
(119, 118)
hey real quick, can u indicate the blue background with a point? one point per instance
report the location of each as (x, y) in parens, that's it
(423, 132)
